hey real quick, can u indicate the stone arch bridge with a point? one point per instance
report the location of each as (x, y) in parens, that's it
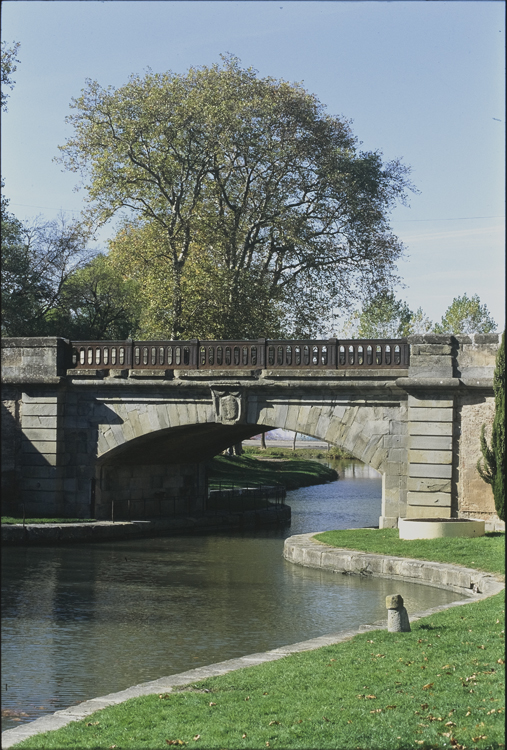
(86, 422)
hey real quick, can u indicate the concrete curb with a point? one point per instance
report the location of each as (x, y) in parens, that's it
(98, 531)
(303, 549)
(314, 554)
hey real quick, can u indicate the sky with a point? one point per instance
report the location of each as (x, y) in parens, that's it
(419, 80)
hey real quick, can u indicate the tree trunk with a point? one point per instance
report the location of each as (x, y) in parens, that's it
(263, 441)
(294, 441)
(238, 449)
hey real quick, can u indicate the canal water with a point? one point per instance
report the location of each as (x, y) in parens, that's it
(80, 621)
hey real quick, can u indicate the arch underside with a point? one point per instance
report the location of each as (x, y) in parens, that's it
(162, 432)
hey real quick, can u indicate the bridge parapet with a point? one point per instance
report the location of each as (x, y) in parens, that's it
(237, 355)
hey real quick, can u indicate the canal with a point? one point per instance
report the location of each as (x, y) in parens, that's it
(80, 621)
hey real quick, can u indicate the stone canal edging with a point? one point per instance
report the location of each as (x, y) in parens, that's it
(303, 550)
(98, 531)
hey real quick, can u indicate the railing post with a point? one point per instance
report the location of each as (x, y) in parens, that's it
(129, 353)
(332, 353)
(262, 353)
(194, 351)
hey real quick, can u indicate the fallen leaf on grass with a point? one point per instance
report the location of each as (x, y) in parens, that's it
(428, 685)
(376, 711)
(213, 704)
(500, 661)
(450, 724)
(171, 742)
(424, 705)
(163, 696)
(273, 722)
(456, 745)
(247, 698)
(243, 736)
(324, 718)
(390, 706)
(480, 737)
(92, 723)
(196, 737)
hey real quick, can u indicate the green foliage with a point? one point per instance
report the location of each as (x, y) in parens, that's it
(493, 469)
(385, 317)
(96, 302)
(248, 197)
(466, 315)
(37, 260)
(8, 67)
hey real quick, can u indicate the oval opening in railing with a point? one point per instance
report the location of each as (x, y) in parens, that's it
(236, 354)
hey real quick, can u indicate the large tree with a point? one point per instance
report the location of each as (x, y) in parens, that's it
(96, 302)
(248, 176)
(37, 260)
(466, 315)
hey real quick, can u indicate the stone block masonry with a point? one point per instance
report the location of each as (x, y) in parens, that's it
(75, 441)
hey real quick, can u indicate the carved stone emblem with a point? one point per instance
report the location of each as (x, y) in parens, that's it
(228, 406)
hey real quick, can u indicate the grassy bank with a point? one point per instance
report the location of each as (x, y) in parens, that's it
(484, 553)
(300, 453)
(439, 686)
(242, 471)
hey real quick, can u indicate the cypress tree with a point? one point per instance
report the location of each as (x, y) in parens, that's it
(493, 469)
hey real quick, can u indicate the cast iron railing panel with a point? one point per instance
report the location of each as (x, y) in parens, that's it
(313, 354)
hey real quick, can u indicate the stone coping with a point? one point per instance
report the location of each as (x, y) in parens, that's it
(303, 549)
(98, 531)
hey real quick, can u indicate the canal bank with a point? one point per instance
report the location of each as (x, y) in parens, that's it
(98, 531)
(302, 550)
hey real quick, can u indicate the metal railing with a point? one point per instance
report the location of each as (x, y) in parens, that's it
(228, 497)
(313, 354)
(233, 497)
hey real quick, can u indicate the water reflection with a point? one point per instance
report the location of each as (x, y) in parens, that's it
(83, 621)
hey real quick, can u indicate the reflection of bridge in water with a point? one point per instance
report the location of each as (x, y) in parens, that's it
(134, 421)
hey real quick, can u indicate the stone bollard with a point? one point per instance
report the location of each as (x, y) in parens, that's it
(397, 615)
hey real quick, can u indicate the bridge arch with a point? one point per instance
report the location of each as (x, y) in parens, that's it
(173, 438)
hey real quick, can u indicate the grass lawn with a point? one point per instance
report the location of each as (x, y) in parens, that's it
(246, 470)
(299, 453)
(439, 686)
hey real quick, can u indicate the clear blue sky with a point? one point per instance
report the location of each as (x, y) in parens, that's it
(420, 80)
